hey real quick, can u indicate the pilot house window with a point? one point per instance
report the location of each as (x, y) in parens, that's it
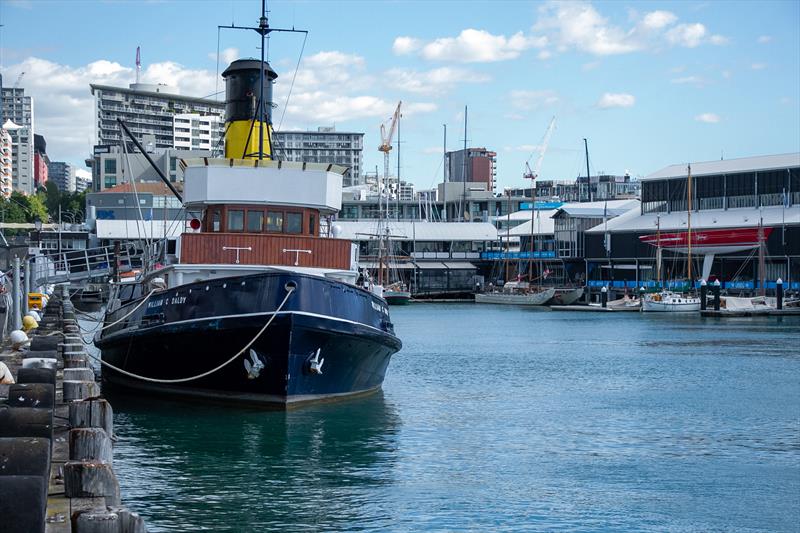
(255, 221)
(294, 223)
(236, 220)
(274, 221)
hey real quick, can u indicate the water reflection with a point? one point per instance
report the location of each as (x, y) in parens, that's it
(312, 468)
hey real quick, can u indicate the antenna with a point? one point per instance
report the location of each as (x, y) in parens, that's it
(138, 63)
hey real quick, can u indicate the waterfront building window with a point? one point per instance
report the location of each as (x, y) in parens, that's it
(215, 221)
(255, 221)
(111, 166)
(311, 223)
(274, 221)
(294, 223)
(236, 220)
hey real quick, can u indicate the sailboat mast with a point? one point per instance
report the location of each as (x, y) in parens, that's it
(533, 211)
(658, 249)
(588, 178)
(762, 267)
(464, 193)
(444, 175)
(508, 233)
(689, 222)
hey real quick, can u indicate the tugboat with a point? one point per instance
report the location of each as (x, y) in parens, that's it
(259, 302)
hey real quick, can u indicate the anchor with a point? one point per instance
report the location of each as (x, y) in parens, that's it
(315, 363)
(254, 369)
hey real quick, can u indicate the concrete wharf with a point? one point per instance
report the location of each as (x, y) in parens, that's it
(56, 433)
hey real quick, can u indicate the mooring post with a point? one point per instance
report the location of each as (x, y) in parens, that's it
(16, 320)
(703, 295)
(27, 286)
(604, 297)
(717, 297)
(779, 294)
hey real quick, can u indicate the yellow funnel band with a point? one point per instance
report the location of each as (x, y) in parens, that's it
(237, 145)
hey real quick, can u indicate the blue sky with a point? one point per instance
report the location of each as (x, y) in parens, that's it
(648, 83)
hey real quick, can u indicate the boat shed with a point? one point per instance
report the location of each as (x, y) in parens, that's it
(435, 259)
(745, 227)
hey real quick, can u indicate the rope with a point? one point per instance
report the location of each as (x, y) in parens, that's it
(131, 311)
(289, 292)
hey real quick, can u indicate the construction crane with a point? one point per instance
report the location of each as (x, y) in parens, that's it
(19, 80)
(533, 173)
(386, 141)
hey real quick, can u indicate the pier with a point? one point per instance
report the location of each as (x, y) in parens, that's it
(56, 434)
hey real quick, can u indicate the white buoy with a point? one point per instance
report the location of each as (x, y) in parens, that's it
(35, 315)
(5, 375)
(18, 339)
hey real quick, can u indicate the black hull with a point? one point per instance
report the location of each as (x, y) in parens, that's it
(352, 334)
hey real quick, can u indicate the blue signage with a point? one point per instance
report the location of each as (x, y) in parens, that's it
(526, 206)
(518, 255)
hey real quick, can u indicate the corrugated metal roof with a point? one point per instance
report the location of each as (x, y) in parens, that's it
(728, 166)
(633, 221)
(545, 225)
(408, 230)
(612, 208)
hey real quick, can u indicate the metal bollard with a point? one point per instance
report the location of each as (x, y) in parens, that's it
(716, 292)
(604, 297)
(779, 294)
(703, 295)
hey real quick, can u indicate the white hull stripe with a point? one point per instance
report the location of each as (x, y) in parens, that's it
(267, 313)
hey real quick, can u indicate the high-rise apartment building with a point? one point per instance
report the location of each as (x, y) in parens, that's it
(40, 161)
(326, 145)
(193, 131)
(146, 109)
(19, 122)
(6, 165)
(62, 174)
(475, 165)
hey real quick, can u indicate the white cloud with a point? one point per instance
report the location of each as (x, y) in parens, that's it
(687, 35)
(758, 66)
(659, 19)
(330, 87)
(544, 55)
(436, 81)
(609, 100)
(689, 80)
(533, 100)
(590, 66)
(578, 25)
(719, 40)
(708, 118)
(470, 46)
(226, 56)
(764, 39)
(406, 45)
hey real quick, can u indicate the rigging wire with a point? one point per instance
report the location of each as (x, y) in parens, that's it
(294, 76)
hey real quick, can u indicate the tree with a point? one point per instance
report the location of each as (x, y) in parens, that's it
(53, 198)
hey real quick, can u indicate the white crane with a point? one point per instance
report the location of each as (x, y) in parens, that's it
(532, 174)
(386, 141)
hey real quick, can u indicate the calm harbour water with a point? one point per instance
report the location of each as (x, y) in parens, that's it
(499, 419)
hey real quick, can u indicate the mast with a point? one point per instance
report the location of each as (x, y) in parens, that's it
(533, 213)
(397, 188)
(689, 222)
(444, 176)
(464, 193)
(762, 266)
(588, 177)
(658, 249)
(508, 232)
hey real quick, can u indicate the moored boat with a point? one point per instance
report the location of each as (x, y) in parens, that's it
(515, 296)
(257, 304)
(566, 296)
(668, 301)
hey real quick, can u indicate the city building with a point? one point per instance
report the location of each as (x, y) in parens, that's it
(745, 223)
(193, 131)
(147, 109)
(6, 164)
(40, 161)
(82, 182)
(18, 113)
(62, 174)
(326, 145)
(112, 167)
(475, 165)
